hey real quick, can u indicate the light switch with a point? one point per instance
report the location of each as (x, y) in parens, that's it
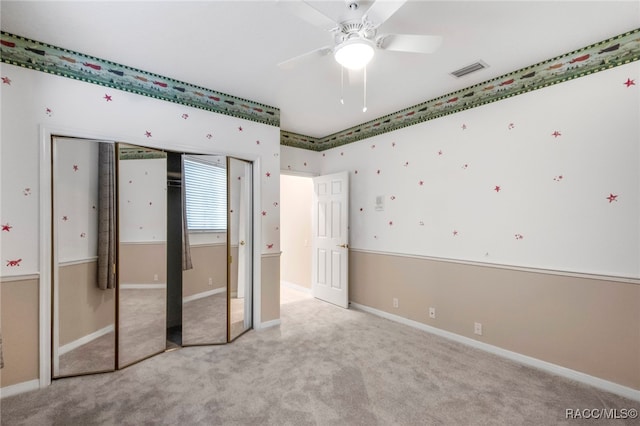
(380, 203)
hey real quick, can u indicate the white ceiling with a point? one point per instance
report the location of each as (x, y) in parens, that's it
(234, 47)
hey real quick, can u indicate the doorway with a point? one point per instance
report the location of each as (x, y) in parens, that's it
(295, 235)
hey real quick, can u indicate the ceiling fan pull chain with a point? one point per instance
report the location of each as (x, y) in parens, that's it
(342, 85)
(364, 102)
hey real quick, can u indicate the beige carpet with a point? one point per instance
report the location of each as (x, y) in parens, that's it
(323, 366)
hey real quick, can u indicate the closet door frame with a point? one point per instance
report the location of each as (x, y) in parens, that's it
(46, 133)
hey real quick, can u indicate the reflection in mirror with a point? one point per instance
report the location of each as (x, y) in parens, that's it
(83, 283)
(204, 284)
(240, 246)
(142, 266)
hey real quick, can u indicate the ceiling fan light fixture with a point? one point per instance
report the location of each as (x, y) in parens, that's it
(354, 54)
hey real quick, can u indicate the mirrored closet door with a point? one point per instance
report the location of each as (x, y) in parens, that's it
(204, 276)
(142, 253)
(239, 243)
(83, 259)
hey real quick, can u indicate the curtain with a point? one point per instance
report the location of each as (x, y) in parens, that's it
(106, 217)
(186, 246)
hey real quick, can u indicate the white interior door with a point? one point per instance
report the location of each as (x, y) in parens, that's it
(330, 261)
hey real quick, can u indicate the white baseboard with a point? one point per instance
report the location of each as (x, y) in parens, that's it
(154, 286)
(85, 339)
(204, 294)
(596, 382)
(295, 286)
(267, 324)
(19, 388)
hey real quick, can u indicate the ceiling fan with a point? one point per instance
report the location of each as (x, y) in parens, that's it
(356, 37)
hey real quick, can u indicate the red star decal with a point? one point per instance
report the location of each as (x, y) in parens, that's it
(75, 167)
(239, 128)
(107, 97)
(497, 188)
(612, 197)
(257, 142)
(7, 227)
(65, 218)
(627, 83)
(390, 223)
(464, 127)
(440, 152)
(455, 233)
(268, 174)
(209, 136)
(378, 172)
(421, 183)
(147, 134)
(6, 80)
(269, 246)
(264, 213)
(393, 144)
(185, 116)
(556, 134)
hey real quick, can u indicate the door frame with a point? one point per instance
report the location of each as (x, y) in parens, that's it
(45, 238)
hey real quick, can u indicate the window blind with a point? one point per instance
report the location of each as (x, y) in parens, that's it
(206, 196)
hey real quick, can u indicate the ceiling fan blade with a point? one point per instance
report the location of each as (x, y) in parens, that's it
(292, 62)
(381, 10)
(308, 13)
(410, 43)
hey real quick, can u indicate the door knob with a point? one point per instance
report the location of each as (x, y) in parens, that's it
(343, 245)
(242, 243)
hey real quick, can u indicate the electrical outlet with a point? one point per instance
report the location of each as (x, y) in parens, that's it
(477, 328)
(210, 281)
(432, 313)
(155, 277)
(395, 302)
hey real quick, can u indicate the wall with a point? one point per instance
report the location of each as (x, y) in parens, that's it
(34, 101)
(19, 320)
(295, 232)
(547, 180)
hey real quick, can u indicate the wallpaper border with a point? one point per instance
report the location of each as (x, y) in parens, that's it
(609, 53)
(39, 56)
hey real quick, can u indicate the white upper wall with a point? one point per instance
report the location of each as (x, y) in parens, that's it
(549, 179)
(34, 100)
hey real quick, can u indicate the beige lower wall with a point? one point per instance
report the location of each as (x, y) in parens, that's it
(587, 325)
(209, 261)
(83, 307)
(270, 291)
(19, 324)
(139, 263)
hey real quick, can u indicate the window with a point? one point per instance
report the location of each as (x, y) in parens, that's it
(206, 195)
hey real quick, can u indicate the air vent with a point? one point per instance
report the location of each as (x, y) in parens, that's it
(469, 69)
